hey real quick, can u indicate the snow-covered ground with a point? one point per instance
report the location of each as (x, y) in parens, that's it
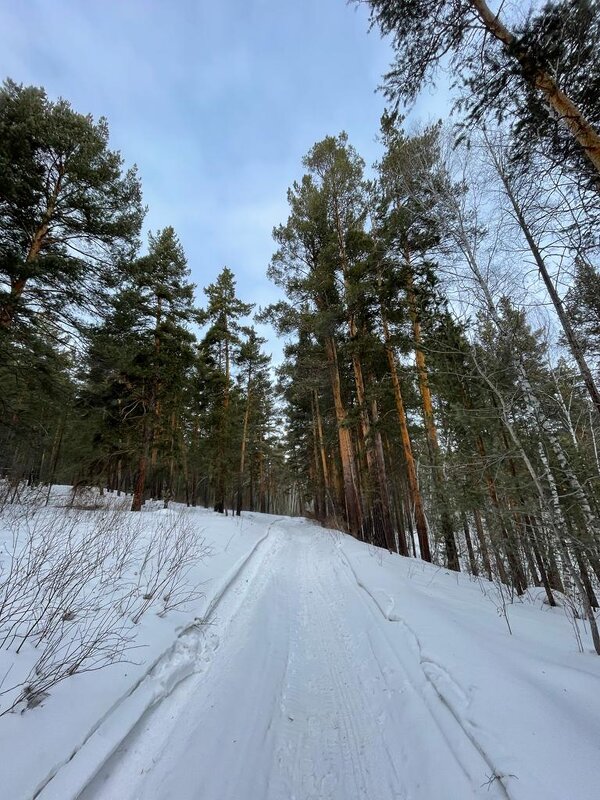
(325, 669)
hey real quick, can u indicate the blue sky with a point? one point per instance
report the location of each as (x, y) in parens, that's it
(216, 102)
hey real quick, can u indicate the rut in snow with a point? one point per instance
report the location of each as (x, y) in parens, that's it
(304, 698)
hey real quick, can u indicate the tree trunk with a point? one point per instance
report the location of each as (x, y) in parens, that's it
(220, 484)
(562, 105)
(262, 497)
(382, 479)
(469, 543)
(377, 489)
(238, 505)
(540, 561)
(565, 322)
(349, 476)
(483, 547)
(560, 528)
(553, 507)
(411, 472)
(322, 455)
(397, 502)
(431, 431)
(533, 403)
(376, 492)
(18, 284)
(140, 480)
(54, 456)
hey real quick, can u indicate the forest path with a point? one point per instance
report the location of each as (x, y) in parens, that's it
(308, 693)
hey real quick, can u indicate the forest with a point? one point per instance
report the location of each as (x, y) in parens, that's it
(439, 392)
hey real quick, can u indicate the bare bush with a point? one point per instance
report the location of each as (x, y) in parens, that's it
(19, 493)
(54, 563)
(100, 637)
(69, 595)
(86, 498)
(169, 557)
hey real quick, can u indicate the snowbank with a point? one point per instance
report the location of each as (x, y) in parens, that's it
(529, 701)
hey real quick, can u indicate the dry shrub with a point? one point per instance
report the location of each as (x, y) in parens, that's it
(74, 583)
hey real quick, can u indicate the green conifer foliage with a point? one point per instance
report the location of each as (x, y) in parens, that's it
(69, 214)
(223, 342)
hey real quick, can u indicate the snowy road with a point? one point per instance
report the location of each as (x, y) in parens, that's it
(307, 693)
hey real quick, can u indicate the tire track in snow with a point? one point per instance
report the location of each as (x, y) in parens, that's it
(187, 655)
(306, 698)
(431, 671)
(155, 743)
(333, 748)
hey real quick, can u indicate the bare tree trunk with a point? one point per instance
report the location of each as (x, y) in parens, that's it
(554, 508)
(373, 493)
(565, 322)
(517, 577)
(540, 561)
(220, 484)
(54, 456)
(483, 547)
(328, 507)
(238, 505)
(469, 543)
(397, 501)
(382, 479)
(411, 472)
(430, 428)
(558, 516)
(496, 553)
(140, 480)
(349, 475)
(262, 496)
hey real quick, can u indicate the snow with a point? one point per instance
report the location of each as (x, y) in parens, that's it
(529, 703)
(323, 669)
(81, 709)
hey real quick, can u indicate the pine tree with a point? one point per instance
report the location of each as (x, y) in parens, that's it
(255, 383)
(583, 306)
(303, 267)
(555, 67)
(223, 339)
(408, 227)
(68, 213)
(139, 361)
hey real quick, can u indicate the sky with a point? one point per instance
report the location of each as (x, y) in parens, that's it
(216, 103)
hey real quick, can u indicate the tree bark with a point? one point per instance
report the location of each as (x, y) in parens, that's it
(140, 479)
(469, 543)
(516, 571)
(562, 105)
(220, 485)
(347, 457)
(377, 508)
(386, 503)
(18, 284)
(483, 547)
(322, 456)
(238, 504)
(411, 472)
(430, 428)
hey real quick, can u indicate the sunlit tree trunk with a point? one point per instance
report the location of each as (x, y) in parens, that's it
(347, 456)
(560, 103)
(411, 471)
(430, 428)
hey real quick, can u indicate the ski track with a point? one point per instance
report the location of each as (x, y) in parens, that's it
(303, 690)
